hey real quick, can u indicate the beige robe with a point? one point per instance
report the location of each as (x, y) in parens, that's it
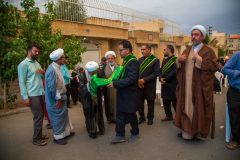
(111, 93)
(195, 92)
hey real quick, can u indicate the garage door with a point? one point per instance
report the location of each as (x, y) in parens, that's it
(92, 54)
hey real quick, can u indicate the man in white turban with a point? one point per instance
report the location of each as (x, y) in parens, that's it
(195, 75)
(89, 95)
(56, 99)
(110, 94)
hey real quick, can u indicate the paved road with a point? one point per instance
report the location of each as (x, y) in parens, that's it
(158, 141)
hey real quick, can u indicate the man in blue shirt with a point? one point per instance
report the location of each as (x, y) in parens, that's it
(66, 78)
(30, 76)
(232, 70)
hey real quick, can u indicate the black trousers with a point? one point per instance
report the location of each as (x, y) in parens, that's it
(68, 94)
(122, 118)
(150, 103)
(36, 106)
(233, 100)
(167, 106)
(93, 116)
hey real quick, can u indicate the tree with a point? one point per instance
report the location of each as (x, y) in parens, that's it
(73, 49)
(36, 28)
(70, 10)
(31, 27)
(9, 43)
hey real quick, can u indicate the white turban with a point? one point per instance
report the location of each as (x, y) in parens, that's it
(201, 29)
(55, 55)
(91, 66)
(110, 53)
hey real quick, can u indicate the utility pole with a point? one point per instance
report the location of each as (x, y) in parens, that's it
(209, 30)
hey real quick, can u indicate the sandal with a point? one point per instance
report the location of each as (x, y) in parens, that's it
(40, 143)
(233, 146)
(45, 137)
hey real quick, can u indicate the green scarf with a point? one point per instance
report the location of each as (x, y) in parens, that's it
(96, 82)
(126, 60)
(146, 63)
(169, 64)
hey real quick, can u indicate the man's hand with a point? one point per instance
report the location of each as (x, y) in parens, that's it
(182, 58)
(59, 103)
(162, 80)
(141, 83)
(194, 57)
(27, 102)
(110, 85)
(40, 71)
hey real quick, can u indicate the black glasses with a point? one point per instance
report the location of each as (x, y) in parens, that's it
(120, 50)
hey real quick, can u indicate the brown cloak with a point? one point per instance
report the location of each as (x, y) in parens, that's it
(202, 94)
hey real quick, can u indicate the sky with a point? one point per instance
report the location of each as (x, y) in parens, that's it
(222, 15)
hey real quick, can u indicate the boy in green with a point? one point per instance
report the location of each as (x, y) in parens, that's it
(88, 94)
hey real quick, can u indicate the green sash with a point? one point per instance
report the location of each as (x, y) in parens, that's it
(126, 60)
(96, 82)
(169, 64)
(146, 63)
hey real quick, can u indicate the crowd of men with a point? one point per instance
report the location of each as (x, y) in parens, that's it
(187, 85)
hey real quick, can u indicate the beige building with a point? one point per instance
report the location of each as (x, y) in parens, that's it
(233, 42)
(100, 35)
(221, 37)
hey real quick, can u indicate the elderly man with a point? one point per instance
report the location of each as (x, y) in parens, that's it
(195, 74)
(56, 99)
(30, 76)
(110, 99)
(89, 97)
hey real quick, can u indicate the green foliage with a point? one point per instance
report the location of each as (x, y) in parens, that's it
(70, 10)
(37, 29)
(10, 20)
(73, 49)
(16, 32)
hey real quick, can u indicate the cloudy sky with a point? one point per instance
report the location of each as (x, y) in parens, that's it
(222, 15)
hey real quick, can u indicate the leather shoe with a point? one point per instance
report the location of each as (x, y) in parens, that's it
(141, 120)
(150, 122)
(60, 141)
(167, 119)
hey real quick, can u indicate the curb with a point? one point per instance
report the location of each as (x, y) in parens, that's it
(14, 111)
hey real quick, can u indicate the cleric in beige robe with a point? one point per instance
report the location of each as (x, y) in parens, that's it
(195, 76)
(111, 92)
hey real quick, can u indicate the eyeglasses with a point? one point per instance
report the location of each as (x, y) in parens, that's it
(120, 50)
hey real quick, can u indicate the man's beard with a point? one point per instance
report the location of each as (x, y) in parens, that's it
(34, 57)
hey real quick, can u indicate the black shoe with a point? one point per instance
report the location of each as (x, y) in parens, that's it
(179, 135)
(150, 122)
(92, 135)
(60, 141)
(141, 120)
